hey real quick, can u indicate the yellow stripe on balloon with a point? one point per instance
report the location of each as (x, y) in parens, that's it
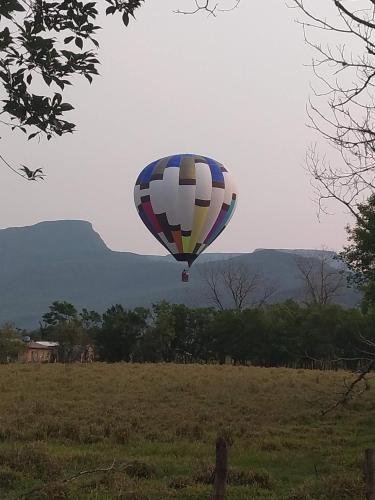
(185, 243)
(200, 214)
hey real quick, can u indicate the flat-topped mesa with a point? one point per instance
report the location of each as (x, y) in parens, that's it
(58, 238)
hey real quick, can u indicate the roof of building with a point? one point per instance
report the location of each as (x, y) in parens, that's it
(42, 344)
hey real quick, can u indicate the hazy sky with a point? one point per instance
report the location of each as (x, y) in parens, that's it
(232, 87)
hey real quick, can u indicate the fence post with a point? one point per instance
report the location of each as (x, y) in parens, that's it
(369, 474)
(221, 469)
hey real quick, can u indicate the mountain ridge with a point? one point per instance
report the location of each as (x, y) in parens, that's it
(68, 260)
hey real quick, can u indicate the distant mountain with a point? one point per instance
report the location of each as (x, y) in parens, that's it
(52, 238)
(68, 260)
(331, 256)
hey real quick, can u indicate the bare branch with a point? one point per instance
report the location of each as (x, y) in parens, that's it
(111, 468)
(237, 284)
(269, 290)
(91, 471)
(351, 390)
(342, 109)
(11, 168)
(241, 282)
(322, 283)
(209, 7)
(212, 280)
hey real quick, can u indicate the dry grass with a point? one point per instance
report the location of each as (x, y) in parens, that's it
(159, 423)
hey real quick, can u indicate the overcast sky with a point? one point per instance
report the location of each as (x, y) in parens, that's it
(232, 87)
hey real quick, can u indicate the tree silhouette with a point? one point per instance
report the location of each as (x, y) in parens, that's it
(342, 108)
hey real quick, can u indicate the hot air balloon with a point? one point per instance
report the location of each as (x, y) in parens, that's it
(185, 201)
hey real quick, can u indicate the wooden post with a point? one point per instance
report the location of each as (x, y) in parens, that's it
(369, 474)
(221, 469)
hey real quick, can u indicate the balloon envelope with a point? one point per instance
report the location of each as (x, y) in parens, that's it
(185, 201)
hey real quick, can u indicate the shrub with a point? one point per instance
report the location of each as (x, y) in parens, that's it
(236, 477)
(333, 487)
(8, 477)
(32, 459)
(191, 432)
(179, 482)
(140, 470)
(55, 490)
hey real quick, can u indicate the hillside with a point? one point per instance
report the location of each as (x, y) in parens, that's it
(68, 260)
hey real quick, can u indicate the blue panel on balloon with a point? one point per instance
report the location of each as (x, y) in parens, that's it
(216, 173)
(145, 175)
(174, 161)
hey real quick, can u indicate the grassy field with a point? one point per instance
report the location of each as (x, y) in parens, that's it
(155, 427)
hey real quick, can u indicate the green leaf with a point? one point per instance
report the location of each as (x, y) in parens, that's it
(125, 18)
(66, 107)
(18, 7)
(79, 42)
(57, 98)
(68, 39)
(47, 79)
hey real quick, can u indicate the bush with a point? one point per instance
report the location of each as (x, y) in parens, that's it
(32, 459)
(140, 470)
(179, 482)
(191, 432)
(8, 477)
(333, 487)
(55, 490)
(236, 477)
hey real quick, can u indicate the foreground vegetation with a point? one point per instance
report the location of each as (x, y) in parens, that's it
(287, 335)
(154, 426)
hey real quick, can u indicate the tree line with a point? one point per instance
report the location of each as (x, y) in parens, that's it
(287, 334)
